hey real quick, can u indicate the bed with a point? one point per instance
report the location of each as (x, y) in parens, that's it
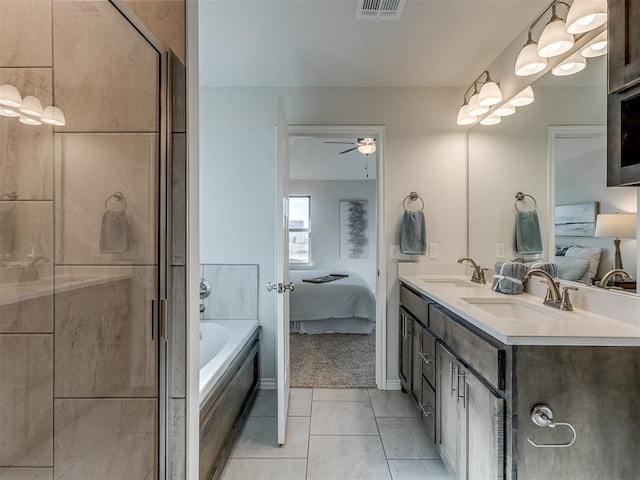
(576, 263)
(345, 305)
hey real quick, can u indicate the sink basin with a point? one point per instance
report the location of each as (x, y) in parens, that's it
(512, 308)
(450, 282)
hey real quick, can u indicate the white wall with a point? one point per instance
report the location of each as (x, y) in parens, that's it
(425, 152)
(325, 224)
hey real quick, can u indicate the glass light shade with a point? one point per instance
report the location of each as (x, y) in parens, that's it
(505, 110)
(53, 116)
(7, 112)
(464, 118)
(31, 106)
(10, 96)
(528, 62)
(554, 39)
(525, 97)
(616, 225)
(29, 120)
(475, 108)
(597, 47)
(489, 95)
(574, 64)
(367, 149)
(492, 119)
(585, 15)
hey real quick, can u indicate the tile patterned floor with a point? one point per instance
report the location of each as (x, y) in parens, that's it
(336, 435)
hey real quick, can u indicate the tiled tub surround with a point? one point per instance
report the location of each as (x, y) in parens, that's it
(234, 292)
(579, 363)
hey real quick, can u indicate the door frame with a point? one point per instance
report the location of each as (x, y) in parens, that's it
(379, 132)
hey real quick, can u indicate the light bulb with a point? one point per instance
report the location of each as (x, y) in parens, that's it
(525, 97)
(528, 62)
(585, 15)
(464, 118)
(554, 39)
(490, 94)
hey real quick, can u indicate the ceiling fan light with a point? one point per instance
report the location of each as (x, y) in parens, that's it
(475, 108)
(10, 96)
(597, 47)
(492, 119)
(585, 15)
(53, 115)
(505, 110)
(31, 106)
(554, 39)
(490, 94)
(464, 118)
(525, 97)
(528, 62)
(367, 149)
(574, 64)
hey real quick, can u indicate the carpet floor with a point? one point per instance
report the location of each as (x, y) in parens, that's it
(333, 361)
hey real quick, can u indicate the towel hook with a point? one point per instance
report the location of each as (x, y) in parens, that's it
(413, 196)
(542, 416)
(118, 197)
(520, 197)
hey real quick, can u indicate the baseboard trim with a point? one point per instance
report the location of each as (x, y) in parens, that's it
(268, 384)
(394, 384)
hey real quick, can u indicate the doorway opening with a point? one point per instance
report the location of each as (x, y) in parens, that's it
(338, 335)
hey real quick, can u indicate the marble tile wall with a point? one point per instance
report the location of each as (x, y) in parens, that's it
(234, 293)
(25, 33)
(23, 473)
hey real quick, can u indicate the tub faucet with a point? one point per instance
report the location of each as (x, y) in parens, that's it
(29, 273)
(553, 298)
(478, 272)
(616, 273)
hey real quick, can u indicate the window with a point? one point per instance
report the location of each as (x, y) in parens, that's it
(300, 230)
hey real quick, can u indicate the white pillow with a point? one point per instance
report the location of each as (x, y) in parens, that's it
(589, 253)
(572, 269)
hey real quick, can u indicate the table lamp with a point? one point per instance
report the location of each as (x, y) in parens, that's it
(617, 226)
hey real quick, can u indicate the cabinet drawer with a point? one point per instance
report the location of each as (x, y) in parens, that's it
(428, 354)
(417, 305)
(428, 407)
(484, 357)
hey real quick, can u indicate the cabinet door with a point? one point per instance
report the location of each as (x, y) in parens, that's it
(624, 44)
(405, 350)
(416, 361)
(448, 424)
(483, 429)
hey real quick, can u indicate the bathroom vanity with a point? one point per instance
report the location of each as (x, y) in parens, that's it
(477, 363)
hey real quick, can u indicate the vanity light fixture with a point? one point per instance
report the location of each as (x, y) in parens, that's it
(28, 109)
(597, 47)
(525, 97)
(528, 62)
(10, 96)
(492, 119)
(31, 106)
(505, 110)
(29, 120)
(464, 117)
(53, 115)
(490, 93)
(7, 112)
(475, 108)
(486, 94)
(574, 64)
(585, 15)
(554, 39)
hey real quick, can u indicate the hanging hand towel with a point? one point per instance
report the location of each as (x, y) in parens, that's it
(114, 230)
(511, 278)
(528, 239)
(413, 233)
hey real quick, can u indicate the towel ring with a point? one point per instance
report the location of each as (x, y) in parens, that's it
(520, 197)
(119, 197)
(413, 196)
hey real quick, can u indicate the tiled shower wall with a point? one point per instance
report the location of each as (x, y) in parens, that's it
(78, 369)
(234, 292)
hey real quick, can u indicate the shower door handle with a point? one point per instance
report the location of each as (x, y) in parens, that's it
(163, 319)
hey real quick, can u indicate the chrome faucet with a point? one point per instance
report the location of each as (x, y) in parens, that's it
(553, 298)
(478, 272)
(617, 272)
(29, 273)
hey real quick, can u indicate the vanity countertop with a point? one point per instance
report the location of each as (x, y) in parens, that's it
(578, 327)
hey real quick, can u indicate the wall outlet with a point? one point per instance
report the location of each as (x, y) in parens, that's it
(500, 250)
(433, 250)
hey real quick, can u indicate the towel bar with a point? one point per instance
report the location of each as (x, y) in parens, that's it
(413, 196)
(520, 197)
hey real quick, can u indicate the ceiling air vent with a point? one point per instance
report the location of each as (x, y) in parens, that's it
(379, 9)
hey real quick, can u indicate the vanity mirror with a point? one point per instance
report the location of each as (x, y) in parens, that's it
(554, 150)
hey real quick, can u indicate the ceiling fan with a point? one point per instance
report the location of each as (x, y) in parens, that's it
(365, 146)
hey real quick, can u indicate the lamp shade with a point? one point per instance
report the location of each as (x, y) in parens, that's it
(505, 110)
(616, 225)
(585, 15)
(475, 108)
(574, 64)
(53, 116)
(528, 62)
(29, 120)
(7, 112)
(597, 47)
(10, 96)
(554, 39)
(492, 119)
(31, 106)
(490, 94)
(525, 97)
(367, 149)
(464, 118)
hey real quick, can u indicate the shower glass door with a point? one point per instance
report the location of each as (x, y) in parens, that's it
(82, 245)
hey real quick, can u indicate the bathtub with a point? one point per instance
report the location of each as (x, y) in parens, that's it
(221, 342)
